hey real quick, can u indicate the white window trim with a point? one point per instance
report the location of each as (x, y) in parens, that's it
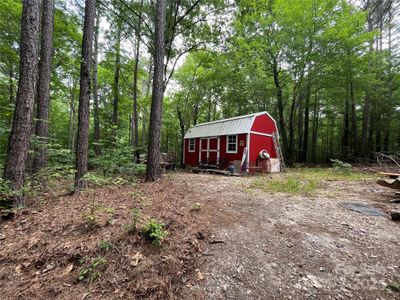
(227, 143)
(194, 145)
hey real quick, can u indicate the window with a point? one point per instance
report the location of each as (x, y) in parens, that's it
(192, 145)
(231, 145)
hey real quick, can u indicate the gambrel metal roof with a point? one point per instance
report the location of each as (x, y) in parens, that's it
(235, 125)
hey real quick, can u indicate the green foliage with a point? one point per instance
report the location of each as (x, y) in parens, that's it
(289, 185)
(340, 165)
(135, 218)
(91, 272)
(155, 231)
(5, 190)
(394, 286)
(118, 160)
(305, 181)
(105, 245)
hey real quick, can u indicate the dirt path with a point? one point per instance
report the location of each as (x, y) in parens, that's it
(277, 246)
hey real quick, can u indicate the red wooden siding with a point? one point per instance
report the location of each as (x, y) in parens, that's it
(192, 158)
(264, 124)
(258, 143)
(229, 157)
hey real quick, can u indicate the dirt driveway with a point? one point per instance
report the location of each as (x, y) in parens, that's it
(281, 246)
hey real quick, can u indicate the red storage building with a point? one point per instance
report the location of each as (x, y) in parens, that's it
(244, 141)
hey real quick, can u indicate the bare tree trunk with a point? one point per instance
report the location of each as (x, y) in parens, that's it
(153, 159)
(182, 128)
(279, 98)
(135, 121)
(116, 82)
(300, 112)
(11, 91)
(306, 124)
(42, 113)
(18, 144)
(314, 138)
(367, 102)
(97, 146)
(84, 96)
(196, 112)
(346, 116)
(71, 125)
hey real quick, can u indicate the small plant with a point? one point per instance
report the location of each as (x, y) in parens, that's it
(109, 221)
(91, 273)
(135, 217)
(394, 286)
(155, 232)
(6, 196)
(105, 245)
(90, 216)
(340, 165)
(195, 206)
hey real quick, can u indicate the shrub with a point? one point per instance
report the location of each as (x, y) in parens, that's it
(155, 232)
(117, 160)
(338, 164)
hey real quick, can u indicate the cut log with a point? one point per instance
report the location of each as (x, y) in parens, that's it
(395, 214)
(393, 184)
(391, 175)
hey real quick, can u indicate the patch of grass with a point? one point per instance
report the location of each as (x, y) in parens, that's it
(329, 174)
(288, 185)
(305, 181)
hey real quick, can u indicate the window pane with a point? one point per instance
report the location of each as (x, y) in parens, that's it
(232, 140)
(191, 144)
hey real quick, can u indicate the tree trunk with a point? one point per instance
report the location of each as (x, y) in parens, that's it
(84, 96)
(147, 95)
(42, 113)
(11, 91)
(71, 125)
(300, 115)
(153, 159)
(306, 124)
(116, 82)
(97, 145)
(314, 138)
(135, 121)
(279, 98)
(18, 144)
(196, 112)
(354, 119)
(367, 102)
(182, 129)
(346, 118)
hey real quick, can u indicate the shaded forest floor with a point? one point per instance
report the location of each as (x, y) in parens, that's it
(282, 236)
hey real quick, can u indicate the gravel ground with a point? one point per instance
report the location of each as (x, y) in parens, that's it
(280, 246)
